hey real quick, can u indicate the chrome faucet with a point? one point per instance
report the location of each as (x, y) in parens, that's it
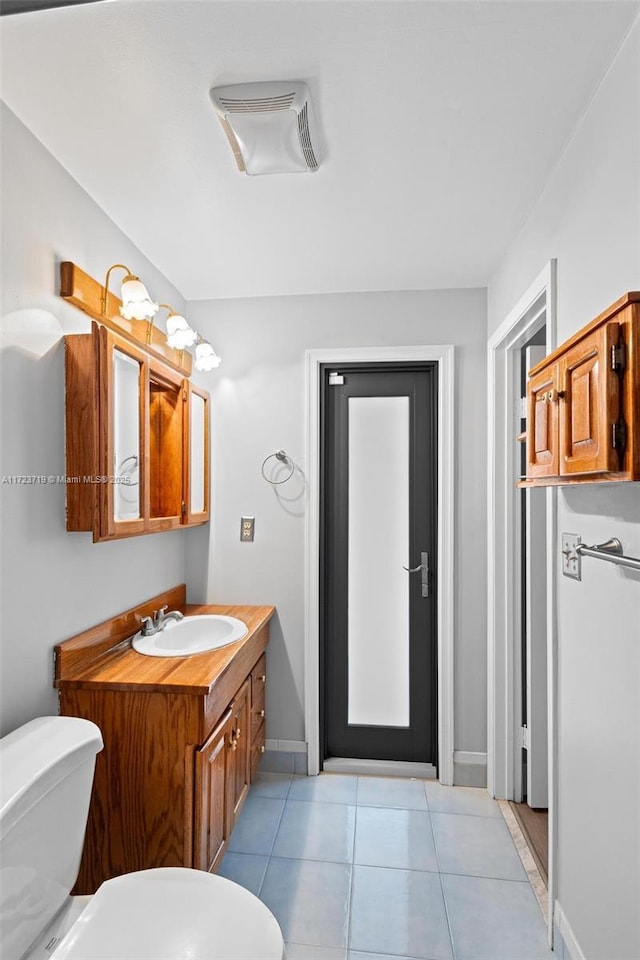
(154, 624)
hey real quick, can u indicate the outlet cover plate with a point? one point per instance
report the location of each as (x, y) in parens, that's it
(571, 561)
(247, 528)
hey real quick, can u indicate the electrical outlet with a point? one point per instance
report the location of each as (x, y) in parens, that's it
(247, 525)
(571, 561)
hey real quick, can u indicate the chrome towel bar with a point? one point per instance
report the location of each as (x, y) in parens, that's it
(611, 550)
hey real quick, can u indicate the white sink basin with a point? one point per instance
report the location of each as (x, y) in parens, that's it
(197, 634)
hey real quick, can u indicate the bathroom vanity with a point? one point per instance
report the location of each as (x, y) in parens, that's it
(183, 738)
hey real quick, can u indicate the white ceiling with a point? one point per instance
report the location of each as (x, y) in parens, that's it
(440, 123)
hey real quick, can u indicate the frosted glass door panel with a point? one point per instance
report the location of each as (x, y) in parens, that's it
(378, 589)
(126, 437)
(197, 448)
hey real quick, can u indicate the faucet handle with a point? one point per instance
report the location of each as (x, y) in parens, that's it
(147, 628)
(159, 614)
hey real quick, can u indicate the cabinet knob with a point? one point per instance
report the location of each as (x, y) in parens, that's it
(263, 678)
(262, 713)
(555, 395)
(262, 749)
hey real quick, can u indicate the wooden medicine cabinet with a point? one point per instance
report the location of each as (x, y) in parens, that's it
(583, 403)
(137, 440)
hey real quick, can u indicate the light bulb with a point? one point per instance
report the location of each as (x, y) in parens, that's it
(206, 357)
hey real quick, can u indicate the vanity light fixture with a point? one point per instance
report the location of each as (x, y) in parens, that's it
(179, 333)
(206, 357)
(136, 302)
(138, 305)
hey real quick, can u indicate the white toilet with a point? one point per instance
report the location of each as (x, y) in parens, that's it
(170, 913)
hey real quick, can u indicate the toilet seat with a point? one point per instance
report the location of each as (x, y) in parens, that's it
(172, 913)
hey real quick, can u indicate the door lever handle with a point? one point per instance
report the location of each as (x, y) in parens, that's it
(424, 566)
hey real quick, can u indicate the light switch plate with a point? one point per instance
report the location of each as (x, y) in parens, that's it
(571, 561)
(247, 526)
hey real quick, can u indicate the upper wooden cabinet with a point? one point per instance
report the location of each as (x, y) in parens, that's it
(137, 440)
(583, 403)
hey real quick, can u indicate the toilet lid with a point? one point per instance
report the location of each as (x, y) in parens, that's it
(173, 913)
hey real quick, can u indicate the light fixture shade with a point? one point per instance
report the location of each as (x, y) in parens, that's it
(206, 357)
(179, 333)
(136, 302)
(271, 126)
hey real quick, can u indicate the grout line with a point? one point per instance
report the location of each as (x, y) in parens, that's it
(531, 869)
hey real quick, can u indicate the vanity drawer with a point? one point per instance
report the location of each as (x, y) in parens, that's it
(258, 678)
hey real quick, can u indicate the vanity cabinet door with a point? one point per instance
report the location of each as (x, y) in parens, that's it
(258, 685)
(239, 776)
(212, 825)
(196, 481)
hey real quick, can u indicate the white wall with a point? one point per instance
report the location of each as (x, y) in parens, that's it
(258, 407)
(54, 583)
(588, 217)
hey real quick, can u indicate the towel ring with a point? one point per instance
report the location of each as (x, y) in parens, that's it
(283, 458)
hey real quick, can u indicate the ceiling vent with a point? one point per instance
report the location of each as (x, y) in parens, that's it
(271, 126)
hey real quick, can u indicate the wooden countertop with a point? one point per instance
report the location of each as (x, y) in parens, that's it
(84, 661)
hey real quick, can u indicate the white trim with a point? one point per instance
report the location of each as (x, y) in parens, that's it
(444, 356)
(569, 937)
(465, 756)
(503, 545)
(286, 746)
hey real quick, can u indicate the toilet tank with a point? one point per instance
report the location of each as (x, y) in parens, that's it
(46, 774)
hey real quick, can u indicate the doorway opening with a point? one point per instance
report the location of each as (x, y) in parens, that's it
(521, 582)
(531, 801)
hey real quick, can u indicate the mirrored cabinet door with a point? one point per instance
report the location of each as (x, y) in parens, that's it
(125, 401)
(196, 476)
(122, 485)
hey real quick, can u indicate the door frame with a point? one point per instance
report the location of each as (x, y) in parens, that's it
(443, 355)
(503, 555)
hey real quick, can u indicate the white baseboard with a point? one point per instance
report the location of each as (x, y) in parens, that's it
(286, 746)
(567, 933)
(464, 756)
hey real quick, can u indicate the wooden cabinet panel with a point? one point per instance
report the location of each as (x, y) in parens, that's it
(211, 820)
(542, 422)
(239, 776)
(583, 403)
(590, 405)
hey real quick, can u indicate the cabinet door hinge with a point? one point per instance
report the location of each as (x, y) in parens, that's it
(184, 508)
(524, 736)
(523, 408)
(55, 668)
(619, 436)
(618, 356)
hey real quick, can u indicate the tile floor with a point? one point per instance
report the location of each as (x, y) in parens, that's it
(374, 868)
